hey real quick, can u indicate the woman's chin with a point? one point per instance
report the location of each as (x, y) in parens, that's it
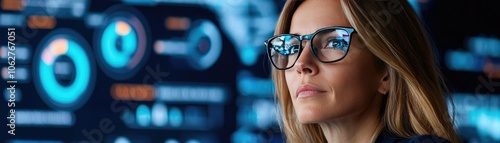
(310, 118)
(311, 113)
(316, 116)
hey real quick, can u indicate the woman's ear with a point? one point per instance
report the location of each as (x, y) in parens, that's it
(385, 83)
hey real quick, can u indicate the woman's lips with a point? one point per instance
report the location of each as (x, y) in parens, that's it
(307, 90)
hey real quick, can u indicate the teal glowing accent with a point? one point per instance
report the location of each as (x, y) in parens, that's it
(249, 55)
(487, 122)
(143, 115)
(115, 58)
(485, 46)
(171, 141)
(175, 117)
(464, 61)
(249, 85)
(67, 94)
(244, 135)
(495, 124)
(122, 139)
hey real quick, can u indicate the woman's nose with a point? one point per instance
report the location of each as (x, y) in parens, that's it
(306, 62)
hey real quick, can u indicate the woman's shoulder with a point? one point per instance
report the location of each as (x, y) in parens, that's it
(386, 137)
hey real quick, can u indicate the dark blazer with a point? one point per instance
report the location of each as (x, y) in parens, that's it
(387, 137)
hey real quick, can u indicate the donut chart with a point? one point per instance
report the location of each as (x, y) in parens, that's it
(119, 33)
(206, 43)
(63, 64)
(121, 43)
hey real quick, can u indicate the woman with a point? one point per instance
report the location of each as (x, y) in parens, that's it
(357, 71)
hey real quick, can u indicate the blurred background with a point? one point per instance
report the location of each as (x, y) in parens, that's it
(195, 71)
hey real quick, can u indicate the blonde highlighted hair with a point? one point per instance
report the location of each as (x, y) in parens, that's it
(390, 29)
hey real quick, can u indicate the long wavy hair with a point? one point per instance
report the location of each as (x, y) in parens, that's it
(391, 30)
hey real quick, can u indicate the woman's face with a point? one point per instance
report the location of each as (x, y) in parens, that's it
(336, 90)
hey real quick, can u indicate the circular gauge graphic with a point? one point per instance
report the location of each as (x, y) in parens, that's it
(121, 43)
(64, 70)
(201, 48)
(205, 44)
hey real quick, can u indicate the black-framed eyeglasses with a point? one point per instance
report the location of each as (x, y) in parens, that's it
(328, 45)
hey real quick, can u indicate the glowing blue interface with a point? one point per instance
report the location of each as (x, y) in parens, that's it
(195, 71)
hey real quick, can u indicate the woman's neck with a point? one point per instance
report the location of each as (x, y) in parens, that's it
(361, 127)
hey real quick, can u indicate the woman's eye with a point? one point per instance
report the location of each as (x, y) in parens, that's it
(336, 44)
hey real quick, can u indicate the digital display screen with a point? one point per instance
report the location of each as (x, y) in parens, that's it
(466, 36)
(195, 71)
